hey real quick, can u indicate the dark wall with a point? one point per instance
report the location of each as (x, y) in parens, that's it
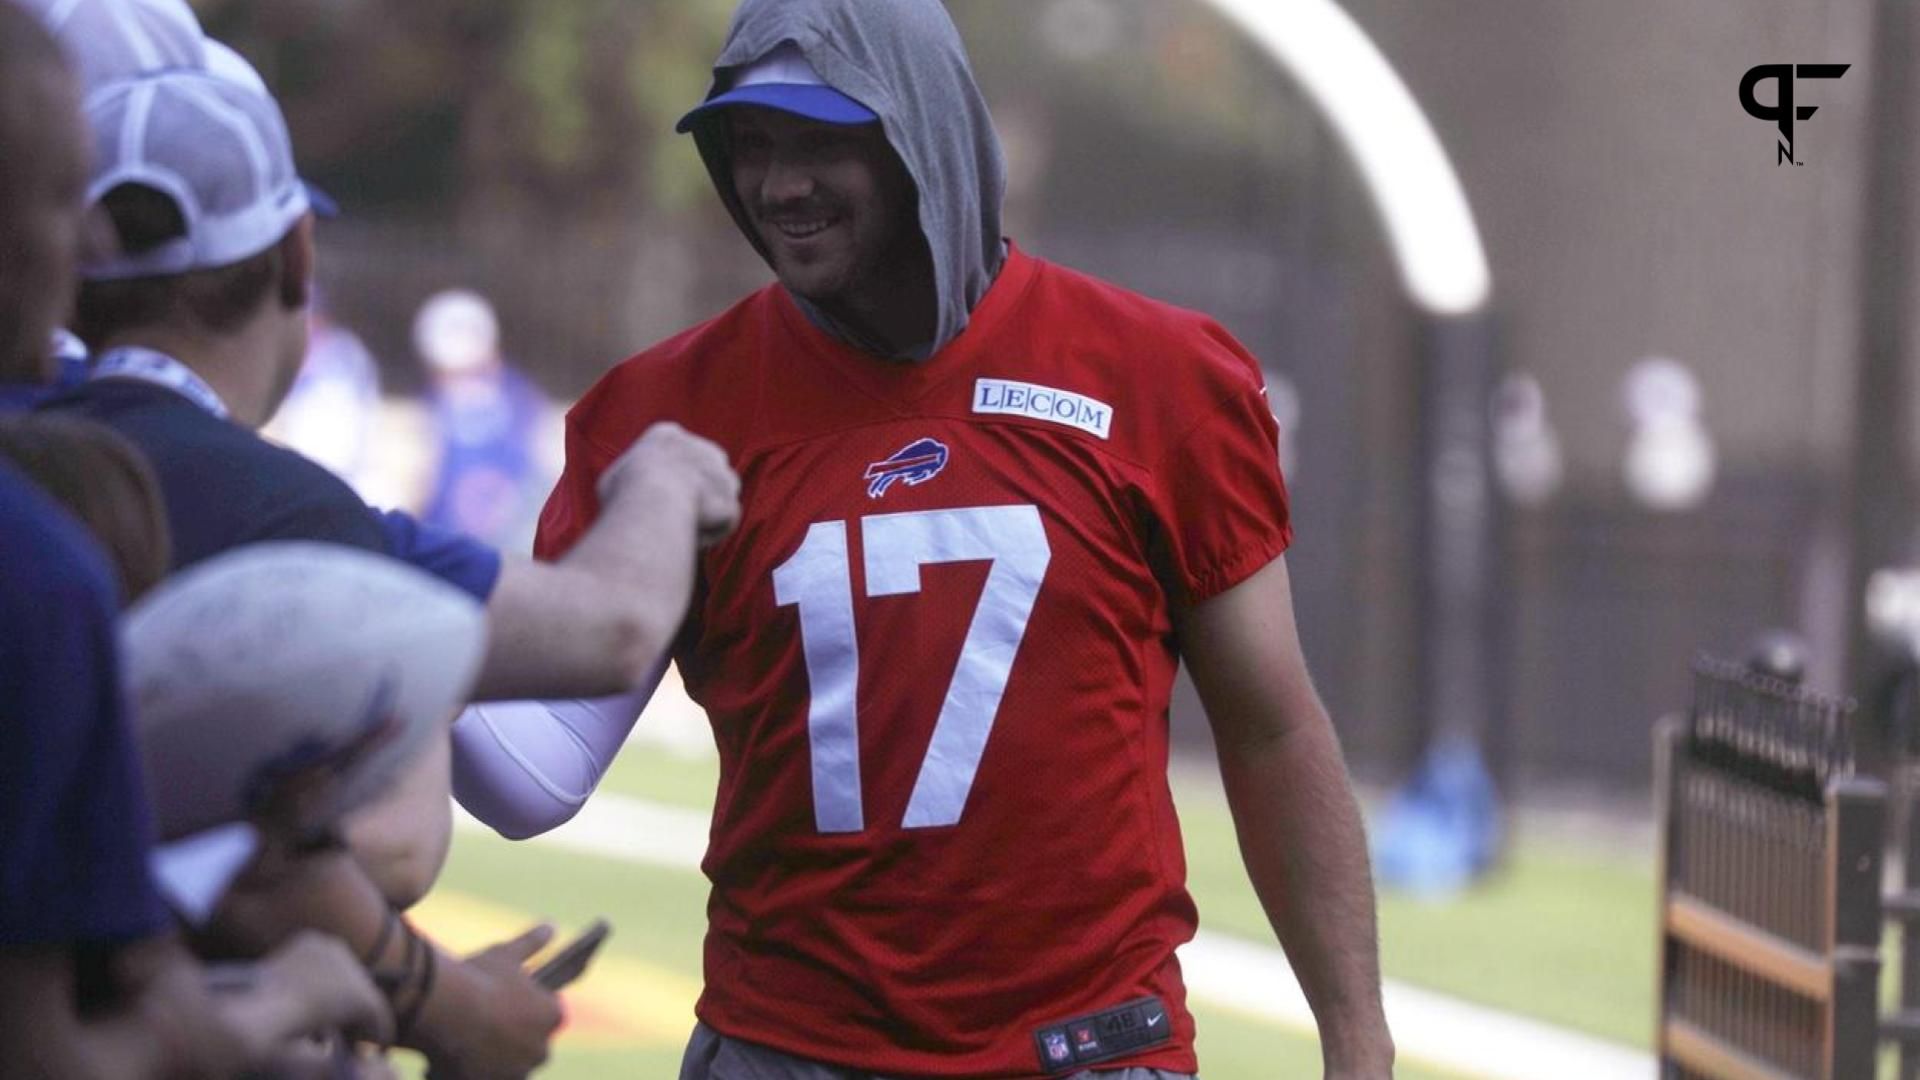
(1630, 208)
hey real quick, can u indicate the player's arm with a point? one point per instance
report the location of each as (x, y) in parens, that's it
(1293, 808)
(526, 767)
(598, 620)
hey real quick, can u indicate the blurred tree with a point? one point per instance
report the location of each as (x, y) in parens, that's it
(525, 148)
(455, 108)
(496, 109)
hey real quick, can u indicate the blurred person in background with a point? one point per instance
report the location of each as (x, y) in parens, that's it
(92, 981)
(944, 842)
(334, 404)
(487, 419)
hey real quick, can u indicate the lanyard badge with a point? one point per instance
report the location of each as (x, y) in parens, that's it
(148, 366)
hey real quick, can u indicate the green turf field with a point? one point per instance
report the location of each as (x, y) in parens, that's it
(1558, 935)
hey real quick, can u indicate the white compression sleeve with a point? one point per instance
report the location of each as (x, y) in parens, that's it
(525, 767)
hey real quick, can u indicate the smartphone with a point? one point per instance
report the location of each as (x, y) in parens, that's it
(571, 961)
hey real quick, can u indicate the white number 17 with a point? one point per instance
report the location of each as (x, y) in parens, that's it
(819, 579)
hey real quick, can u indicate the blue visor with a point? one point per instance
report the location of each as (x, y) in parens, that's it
(822, 103)
(322, 204)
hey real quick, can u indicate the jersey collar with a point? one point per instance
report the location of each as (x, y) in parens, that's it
(903, 383)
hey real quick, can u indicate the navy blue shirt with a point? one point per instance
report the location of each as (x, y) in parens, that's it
(75, 829)
(225, 486)
(21, 397)
(455, 558)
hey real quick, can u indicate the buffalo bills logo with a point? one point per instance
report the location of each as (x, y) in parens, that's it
(917, 463)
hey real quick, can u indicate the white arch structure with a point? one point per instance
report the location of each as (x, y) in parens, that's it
(1429, 224)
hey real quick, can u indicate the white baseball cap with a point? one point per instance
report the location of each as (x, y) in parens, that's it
(214, 146)
(110, 40)
(225, 63)
(456, 330)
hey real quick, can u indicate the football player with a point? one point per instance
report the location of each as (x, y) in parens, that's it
(989, 505)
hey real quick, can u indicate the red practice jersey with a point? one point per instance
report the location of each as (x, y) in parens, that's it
(937, 656)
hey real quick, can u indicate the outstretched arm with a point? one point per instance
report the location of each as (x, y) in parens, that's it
(525, 767)
(1294, 810)
(598, 620)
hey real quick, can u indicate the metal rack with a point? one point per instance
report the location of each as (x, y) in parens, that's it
(1770, 877)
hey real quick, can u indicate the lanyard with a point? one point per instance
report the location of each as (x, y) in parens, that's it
(157, 368)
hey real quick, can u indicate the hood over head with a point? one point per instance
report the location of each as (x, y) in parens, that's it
(904, 61)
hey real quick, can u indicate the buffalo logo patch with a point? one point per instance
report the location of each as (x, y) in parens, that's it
(916, 463)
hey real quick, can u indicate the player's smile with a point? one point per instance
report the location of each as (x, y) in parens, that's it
(804, 229)
(798, 229)
(812, 249)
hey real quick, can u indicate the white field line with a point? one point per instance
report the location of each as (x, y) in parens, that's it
(1472, 1040)
(1230, 973)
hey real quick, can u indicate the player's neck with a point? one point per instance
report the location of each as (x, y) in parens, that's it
(897, 308)
(234, 365)
(881, 330)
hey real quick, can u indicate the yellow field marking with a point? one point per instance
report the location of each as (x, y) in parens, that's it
(620, 1003)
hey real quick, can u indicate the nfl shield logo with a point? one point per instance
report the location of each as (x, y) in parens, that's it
(1057, 1050)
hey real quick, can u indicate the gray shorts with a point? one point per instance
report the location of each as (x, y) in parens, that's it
(713, 1056)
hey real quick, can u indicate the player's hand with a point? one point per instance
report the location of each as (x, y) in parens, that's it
(489, 1019)
(314, 983)
(228, 1019)
(174, 1004)
(296, 804)
(670, 461)
(281, 892)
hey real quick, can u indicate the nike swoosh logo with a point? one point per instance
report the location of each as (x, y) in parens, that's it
(1155, 1018)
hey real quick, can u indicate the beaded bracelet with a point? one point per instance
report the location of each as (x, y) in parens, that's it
(404, 1023)
(380, 943)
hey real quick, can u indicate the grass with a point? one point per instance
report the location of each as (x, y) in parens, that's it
(1556, 935)
(659, 918)
(1559, 934)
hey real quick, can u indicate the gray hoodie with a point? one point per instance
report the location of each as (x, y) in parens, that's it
(904, 60)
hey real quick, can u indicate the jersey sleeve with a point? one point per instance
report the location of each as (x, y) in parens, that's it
(1218, 493)
(453, 557)
(575, 501)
